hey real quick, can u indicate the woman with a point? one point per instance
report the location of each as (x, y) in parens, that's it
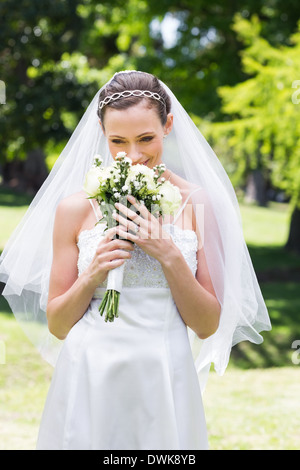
(132, 384)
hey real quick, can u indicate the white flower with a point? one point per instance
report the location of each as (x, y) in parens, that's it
(92, 181)
(106, 174)
(95, 178)
(120, 155)
(170, 197)
(146, 173)
(98, 157)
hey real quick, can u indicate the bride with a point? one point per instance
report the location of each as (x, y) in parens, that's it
(133, 383)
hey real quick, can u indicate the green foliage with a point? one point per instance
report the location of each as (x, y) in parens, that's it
(262, 127)
(204, 54)
(55, 57)
(56, 54)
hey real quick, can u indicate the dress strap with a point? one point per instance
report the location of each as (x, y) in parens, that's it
(95, 212)
(183, 206)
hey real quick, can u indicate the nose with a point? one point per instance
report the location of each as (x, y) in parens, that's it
(135, 155)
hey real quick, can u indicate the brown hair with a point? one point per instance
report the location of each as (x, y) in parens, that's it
(135, 81)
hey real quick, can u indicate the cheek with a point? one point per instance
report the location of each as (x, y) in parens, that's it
(114, 148)
(156, 148)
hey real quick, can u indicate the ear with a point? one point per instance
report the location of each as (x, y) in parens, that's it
(169, 124)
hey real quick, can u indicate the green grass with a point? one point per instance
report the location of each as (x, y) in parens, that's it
(266, 231)
(12, 208)
(249, 409)
(254, 409)
(255, 405)
(24, 381)
(265, 226)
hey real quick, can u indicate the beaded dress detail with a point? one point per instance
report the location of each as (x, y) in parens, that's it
(141, 269)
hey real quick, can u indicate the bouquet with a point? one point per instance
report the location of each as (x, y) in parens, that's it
(114, 183)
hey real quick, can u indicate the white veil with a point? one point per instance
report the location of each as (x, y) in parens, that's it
(26, 259)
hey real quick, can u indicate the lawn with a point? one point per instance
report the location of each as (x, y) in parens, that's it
(12, 208)
(255, 405)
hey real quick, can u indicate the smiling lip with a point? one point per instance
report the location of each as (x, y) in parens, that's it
(145, 163)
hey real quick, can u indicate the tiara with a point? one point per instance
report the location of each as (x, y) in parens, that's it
(128, 93)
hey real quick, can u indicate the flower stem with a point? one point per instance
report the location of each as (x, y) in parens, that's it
(110, 305)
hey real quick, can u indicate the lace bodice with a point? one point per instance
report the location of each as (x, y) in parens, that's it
(141, 270)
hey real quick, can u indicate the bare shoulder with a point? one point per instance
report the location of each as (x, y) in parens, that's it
(75, 202)
(71, 212)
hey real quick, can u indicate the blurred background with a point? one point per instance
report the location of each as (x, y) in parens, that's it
(235, 67)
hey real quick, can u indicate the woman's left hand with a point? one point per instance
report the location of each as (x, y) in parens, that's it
(144, 229)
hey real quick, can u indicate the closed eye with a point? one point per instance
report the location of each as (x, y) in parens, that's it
(147, 138)
(117, 141)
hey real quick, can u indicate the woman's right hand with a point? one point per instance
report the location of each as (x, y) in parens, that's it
(110, 253)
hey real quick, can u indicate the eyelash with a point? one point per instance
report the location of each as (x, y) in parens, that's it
(144, 139)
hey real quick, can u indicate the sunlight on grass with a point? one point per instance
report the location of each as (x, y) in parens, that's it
(254, 409)
(265, 226)
(24, 382)
(10, 217)
(12, 209)
(255, 405)
(250, 409)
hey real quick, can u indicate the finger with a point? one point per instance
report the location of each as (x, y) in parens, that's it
(126, 223)
(109, 234)
(113, 264)
(135, 232)
(109, 256)
(128, 235)
(129, 213)
(110, 244)
(140, 208)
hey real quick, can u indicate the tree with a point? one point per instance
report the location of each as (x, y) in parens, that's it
(56, 54)
(263, 126)
(54, 57)
(204, 53)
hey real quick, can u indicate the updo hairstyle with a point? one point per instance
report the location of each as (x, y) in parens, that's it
(124, 81)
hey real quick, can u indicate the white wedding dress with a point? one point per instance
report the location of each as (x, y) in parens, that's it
(130, 384)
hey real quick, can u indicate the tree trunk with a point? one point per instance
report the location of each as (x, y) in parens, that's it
(26, 175)
(293, 243)
(35, 170)
(256, 190)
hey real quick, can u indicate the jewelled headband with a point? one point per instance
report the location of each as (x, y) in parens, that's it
(127, 94)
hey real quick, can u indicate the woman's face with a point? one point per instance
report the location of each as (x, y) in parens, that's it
(137, 131)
